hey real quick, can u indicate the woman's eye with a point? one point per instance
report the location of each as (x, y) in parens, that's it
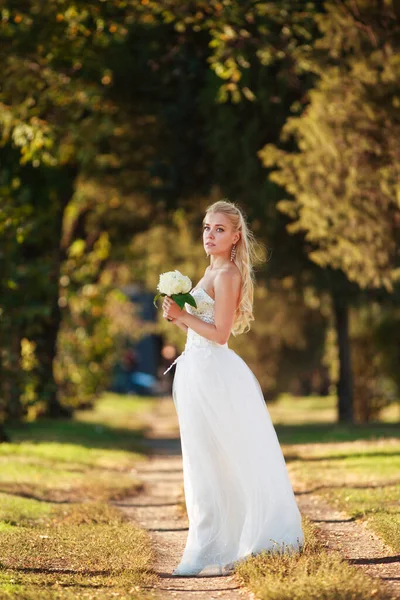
(218, 228)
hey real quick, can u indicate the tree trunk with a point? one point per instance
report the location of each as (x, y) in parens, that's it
(3, 436)
(15, 410)
(345, 384)
(48, 343)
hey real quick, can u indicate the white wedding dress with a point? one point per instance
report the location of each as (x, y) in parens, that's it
(239, 498)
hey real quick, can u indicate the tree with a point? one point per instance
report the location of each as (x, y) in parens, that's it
(343, 176)
(58, 123)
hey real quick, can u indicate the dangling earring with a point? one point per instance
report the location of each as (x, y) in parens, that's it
(233, 252)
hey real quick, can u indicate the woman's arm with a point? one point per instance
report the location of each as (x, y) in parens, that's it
(226, 289)
(175, 321)
(179, 324)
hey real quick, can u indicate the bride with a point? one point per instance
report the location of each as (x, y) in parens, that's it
(239, 498)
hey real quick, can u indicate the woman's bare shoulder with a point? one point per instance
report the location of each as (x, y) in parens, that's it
(230, 272)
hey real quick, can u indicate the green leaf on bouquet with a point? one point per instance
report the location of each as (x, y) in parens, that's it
(181, 299)
(156, 297)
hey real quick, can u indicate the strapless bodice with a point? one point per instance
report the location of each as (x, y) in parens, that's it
(205, 312)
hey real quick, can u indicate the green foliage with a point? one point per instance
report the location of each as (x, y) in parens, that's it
(98, 319)
(166, 247)
(53, 103)
(284, 345)
(241, 36)
(386, 336)
(28, 227)
(344, 176)
(375, 383)
(374, 357)
(57, 121)
(116, 115)
(180, 299)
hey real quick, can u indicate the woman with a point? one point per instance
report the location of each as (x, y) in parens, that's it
(238, 494)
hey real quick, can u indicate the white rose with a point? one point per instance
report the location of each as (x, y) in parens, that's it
(173, 282)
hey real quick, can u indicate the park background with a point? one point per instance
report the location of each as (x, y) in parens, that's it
(121, 121)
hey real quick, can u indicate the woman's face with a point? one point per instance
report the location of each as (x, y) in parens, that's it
(218, 234)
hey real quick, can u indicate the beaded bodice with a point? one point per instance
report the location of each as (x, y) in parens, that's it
(205, 311)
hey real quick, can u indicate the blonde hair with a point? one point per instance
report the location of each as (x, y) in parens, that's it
(246, 256)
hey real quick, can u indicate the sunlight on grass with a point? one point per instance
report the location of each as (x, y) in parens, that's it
(291, 410)
(361, 478)
(115, 423)
(388, 526)
(296, 410)
(76, 561)
(85, 549)
(66, 482)
(355, 467)
(50, 453)
(311, 574)
(379, 507)
(15, 510)
(311, 420)
(61, 539)
(119, 411)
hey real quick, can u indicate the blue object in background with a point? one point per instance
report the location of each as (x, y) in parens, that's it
(141, 377)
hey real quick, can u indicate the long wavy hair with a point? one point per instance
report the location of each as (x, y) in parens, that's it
(248, 252)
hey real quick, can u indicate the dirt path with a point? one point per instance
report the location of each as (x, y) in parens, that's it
(157, 510)
(355, 541)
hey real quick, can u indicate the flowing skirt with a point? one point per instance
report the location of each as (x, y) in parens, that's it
(238, 494)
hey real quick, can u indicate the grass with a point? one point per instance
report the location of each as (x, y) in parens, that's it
(62, 539)
(60, 536)
(312, 419)
(116, 423)
(314, 433)
(291, 410)
(355, 467)
(106, 557)
(311, 574)
(361, 478)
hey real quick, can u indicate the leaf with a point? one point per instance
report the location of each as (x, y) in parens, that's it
(190, 300)
(156, 297)
(181, 300)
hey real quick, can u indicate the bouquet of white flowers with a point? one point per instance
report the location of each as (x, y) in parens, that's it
(176, 286)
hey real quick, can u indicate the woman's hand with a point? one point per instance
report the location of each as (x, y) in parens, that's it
(170, 309)
(175, 321)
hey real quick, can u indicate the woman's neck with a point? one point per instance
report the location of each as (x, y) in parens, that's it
(218, 262)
